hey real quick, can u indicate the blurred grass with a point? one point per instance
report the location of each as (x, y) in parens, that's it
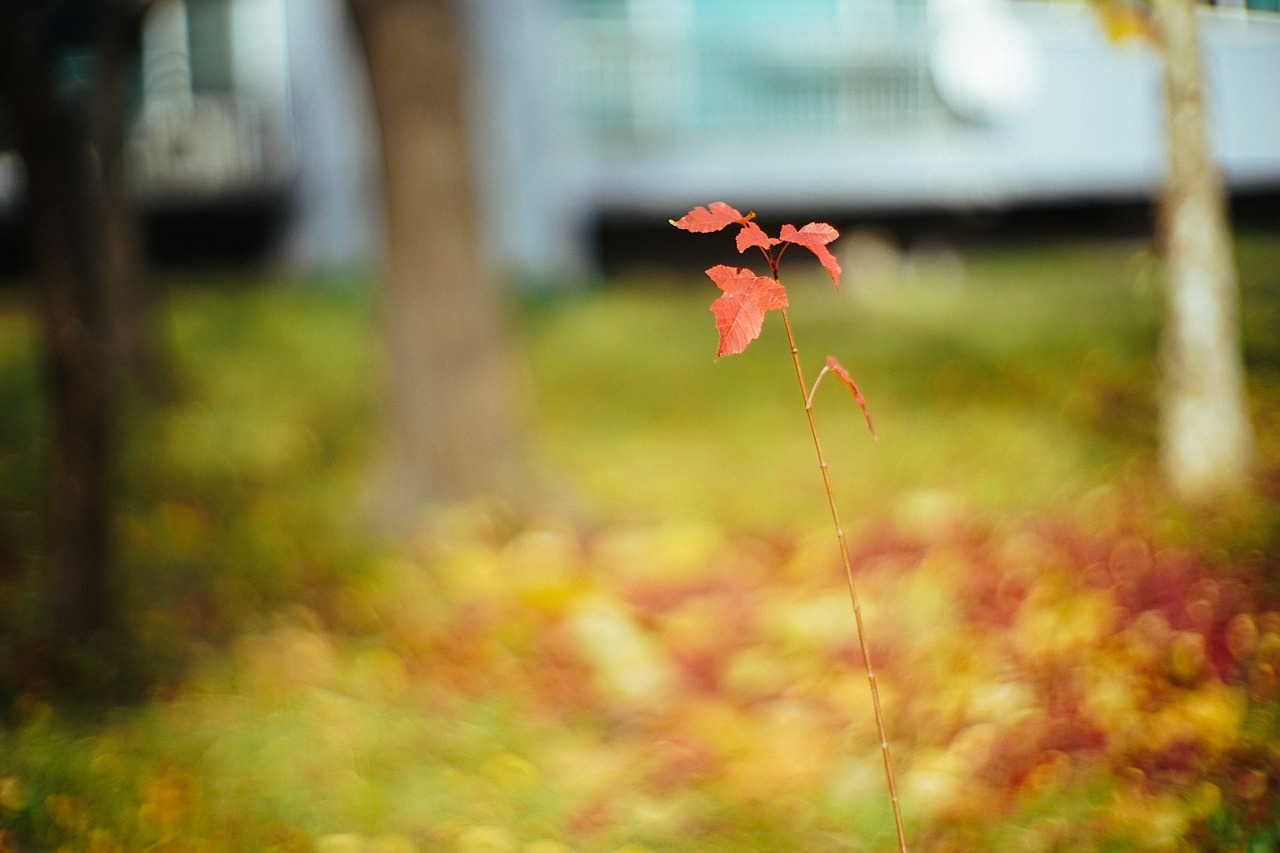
(1025, 386)
(312, 689)
(242, 492)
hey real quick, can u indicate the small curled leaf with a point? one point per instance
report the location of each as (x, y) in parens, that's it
(834, 366)
(815, 236)
(753, 235)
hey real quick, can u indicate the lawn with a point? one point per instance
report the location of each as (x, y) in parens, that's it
(1068, 660)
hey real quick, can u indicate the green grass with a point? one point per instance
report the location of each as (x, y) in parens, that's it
(1028, 385)
(671, 669)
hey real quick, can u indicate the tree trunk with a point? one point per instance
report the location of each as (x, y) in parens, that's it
(1206, 438)
(86, 258)
(132, 297)
(452, 399)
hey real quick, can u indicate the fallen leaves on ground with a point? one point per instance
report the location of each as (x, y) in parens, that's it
(680, 687)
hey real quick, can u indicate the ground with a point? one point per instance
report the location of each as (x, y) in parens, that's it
(1067, 659)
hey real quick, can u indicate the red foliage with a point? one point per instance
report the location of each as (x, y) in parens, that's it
(834, 366)
(713, 218)
(753, 235)
(815, 236)
(740, 311)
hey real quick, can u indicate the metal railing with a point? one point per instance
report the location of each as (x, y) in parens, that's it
(627, 80)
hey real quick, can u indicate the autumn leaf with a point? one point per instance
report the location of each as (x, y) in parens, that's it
(815, 236)
(714, 218)
(834, 366)
(740, 311)
(753, 235)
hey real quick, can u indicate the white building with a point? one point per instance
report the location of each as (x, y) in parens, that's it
(647, 107)
(867, 106)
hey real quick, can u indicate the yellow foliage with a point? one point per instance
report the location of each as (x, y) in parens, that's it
(1056, 621)
(1211, 715)
(546, 845)
(542, 567)
(350, 842)
(100, 841)
(169, 799)
(1187, 657)
(1159, 820)
(485, 839)
(788, 749)
(511, 772)
(68, 812)
(391, 844)
(13, 793)
(340, 843)
(627, 663)
(1125, 22)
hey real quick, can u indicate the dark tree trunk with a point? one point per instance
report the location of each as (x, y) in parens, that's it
(131, 296)
(86, 260)
(1206, 438)
(452, 399)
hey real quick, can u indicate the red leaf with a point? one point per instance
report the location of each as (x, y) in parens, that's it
(752, 235)
(702, 220)
(740, 311)
(815, 236)
(834, 366)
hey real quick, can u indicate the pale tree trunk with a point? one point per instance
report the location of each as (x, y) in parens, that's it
(453, 404)
(1206, 438)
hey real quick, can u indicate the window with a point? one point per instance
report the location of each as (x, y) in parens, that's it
(209, 40)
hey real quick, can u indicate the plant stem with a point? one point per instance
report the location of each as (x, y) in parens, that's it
(853, 590)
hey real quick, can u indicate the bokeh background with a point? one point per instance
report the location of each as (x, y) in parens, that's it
(368, 481)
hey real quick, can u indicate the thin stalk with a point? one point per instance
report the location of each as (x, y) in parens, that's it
(853, 590)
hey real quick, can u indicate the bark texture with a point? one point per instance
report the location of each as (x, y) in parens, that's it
(453, 403)
(1206, 438)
